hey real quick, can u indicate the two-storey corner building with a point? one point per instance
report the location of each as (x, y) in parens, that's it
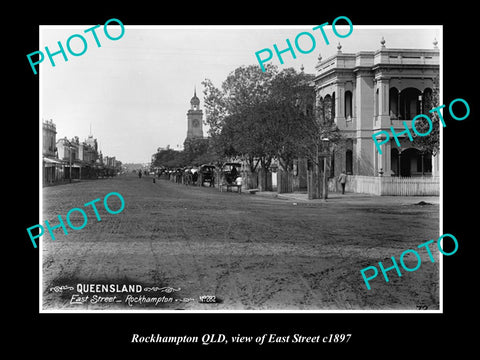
(369, 91)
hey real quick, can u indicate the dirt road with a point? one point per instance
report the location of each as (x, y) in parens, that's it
(245, 251)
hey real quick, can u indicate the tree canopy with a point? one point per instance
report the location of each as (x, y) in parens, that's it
(263, 115)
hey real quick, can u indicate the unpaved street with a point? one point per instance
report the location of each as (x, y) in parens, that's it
(250, 252)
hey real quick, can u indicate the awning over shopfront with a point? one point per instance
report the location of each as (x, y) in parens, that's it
(51, 162)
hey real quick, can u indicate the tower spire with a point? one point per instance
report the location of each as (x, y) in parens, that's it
(194, 117)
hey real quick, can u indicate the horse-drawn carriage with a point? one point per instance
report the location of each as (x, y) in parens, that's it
(206, 173)
(230, 176)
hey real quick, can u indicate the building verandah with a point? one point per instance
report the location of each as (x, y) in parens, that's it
(397, 101)
(367, 92)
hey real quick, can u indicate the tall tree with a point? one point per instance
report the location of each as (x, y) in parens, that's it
(198, 151)
(290, 94)
(169, 158)
(234, 112)
(215, 107)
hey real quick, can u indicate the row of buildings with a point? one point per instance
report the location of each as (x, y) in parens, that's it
(67, 160)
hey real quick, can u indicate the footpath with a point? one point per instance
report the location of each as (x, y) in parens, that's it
(352, 198)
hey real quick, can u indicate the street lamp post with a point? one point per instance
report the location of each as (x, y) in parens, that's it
(325, 187)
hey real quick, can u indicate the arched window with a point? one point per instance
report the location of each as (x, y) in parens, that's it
(328, 109)
(393, 111)
(349, 162)
(333, 107)
(409, 103)
(348, 104)
(321, 110)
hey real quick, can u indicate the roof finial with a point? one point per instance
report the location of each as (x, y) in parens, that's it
(194, 90)
(435, 43)
(382, 42)
(339, 47)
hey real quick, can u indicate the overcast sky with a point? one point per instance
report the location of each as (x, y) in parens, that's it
(135, 92)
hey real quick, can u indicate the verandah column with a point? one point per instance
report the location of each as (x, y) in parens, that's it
(383, 85)
(386, 163)
(340, 105)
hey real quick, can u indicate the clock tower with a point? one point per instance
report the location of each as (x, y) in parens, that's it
(194, 119)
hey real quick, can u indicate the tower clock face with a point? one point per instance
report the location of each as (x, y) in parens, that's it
(195, 123)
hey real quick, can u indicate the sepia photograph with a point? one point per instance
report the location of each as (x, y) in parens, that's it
(233, 168)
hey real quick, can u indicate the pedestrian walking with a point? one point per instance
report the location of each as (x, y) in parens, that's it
(342, 179)
(139, 174)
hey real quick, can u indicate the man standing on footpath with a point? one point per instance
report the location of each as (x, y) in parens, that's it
(342, 179)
